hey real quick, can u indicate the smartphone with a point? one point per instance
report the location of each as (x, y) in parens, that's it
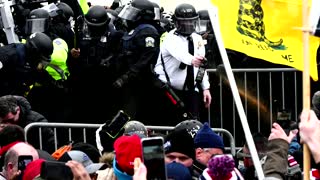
(284, 120)
(23, 161)
(55, 170)
(117, 123)
(153, 158)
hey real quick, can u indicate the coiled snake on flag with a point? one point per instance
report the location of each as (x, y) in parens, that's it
(250, 21)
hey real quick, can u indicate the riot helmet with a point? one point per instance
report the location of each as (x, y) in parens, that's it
(97, 20)
(135, 127)
(185, 19)
(204, 24)
(66, 12)
(138, 10)
(191, 126)
(39, 48)
(37, 21)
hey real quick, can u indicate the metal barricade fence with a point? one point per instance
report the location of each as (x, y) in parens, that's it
(85, 127)
(263, 93)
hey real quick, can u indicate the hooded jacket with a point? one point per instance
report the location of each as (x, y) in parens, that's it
(27, 116)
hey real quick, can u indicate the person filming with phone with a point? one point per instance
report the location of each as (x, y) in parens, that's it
(16, 159)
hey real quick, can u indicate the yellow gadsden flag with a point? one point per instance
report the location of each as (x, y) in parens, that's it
(266, 29)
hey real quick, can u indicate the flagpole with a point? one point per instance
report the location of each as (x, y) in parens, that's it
(235, 92)
(306, 82)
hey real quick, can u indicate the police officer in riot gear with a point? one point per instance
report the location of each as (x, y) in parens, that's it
(50, 91)
(140, 50)
(19, 63)
(91, 72)
(93, 31)
(182, 55)
(40, 20)
(61, 23)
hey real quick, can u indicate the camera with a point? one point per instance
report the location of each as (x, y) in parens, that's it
(202, 70)
(284, 120)
(54, 170)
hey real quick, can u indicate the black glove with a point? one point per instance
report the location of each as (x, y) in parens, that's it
(120, 82)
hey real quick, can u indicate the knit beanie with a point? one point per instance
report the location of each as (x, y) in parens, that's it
(178, 171)
(221, 167)
(179, 141)
(206, 138)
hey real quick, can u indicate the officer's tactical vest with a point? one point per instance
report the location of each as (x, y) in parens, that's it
(128, 44)
(57, 68)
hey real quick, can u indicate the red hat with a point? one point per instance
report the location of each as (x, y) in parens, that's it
(32, 170)
(5, 148)
(127, 148)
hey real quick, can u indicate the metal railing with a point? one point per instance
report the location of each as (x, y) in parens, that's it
(263, 93)
(85, 127)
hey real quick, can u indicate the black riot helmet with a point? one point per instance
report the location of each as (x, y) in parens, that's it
(191, 126)
(67, 13)
(37, 21)
(39, 48)
(138, 10)
(204, 23)
(97, 20)
(185, 19)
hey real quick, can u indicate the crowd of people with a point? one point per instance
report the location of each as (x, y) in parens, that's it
(77, 63)
(192, 150)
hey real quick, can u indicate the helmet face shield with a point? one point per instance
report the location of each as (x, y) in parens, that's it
(36, 25)
(202, 26)
(129, 13)
(157, 14)
(186, 26)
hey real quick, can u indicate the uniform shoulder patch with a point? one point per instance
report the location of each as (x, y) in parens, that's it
(149, 41)
(58, 42)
